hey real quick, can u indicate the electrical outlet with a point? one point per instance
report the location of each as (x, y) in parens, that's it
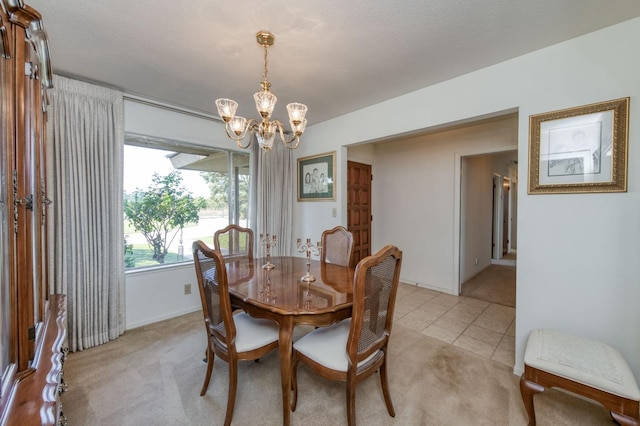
(334, 212)
(187, 289)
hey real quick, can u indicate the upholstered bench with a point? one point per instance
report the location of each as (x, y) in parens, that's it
(584, 367)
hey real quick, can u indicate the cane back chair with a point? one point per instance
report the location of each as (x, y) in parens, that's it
(234, 241)
(337, 246)
(355, 348)
(232, 337)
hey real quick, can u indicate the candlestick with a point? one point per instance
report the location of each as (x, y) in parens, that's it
(268, 242)
(307, 302)
(309, 249)
(266, 293)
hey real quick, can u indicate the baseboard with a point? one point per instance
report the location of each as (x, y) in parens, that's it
(159, 318)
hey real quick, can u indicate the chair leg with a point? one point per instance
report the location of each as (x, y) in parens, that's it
(351, 399)
(385, 388)
(294, 384)
(210, 358)
(233, 382)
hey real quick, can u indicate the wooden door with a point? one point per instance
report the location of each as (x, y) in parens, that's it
(359, 208)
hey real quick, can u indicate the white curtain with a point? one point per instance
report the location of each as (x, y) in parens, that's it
(275, 177)
(85, 166)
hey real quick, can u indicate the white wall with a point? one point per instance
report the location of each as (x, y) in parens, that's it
(420, 172)
(577, 254)
(476, 214)
(155, 295)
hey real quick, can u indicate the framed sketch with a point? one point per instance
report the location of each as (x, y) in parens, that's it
(316, 177)
(582, 149)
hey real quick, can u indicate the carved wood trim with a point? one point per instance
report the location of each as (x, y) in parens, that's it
(20, 13)
(5, 47)
(35, 398)
(27, 17)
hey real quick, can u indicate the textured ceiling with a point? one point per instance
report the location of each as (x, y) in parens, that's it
(336, 56)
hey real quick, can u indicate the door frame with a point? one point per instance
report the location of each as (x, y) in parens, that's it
(457, 201)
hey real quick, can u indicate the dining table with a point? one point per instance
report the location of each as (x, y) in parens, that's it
(277, 292)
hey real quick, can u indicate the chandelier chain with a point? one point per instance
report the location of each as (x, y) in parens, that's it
(266, 72)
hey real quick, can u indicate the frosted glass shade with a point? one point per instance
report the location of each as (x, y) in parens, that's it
(297, 112)
(265, 102)
(266, 134)
(226, 108)
(237, 125)
(298, 128)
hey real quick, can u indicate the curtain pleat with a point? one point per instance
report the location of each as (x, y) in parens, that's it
(274, 177)
(86, 134)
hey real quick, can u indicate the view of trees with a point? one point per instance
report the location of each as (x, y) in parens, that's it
(161, 211)
(219, 187)
(168, 205)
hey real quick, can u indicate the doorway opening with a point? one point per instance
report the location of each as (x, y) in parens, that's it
(503, 220)
(488, 224)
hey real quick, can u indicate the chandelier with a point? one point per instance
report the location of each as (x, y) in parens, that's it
(237, 127)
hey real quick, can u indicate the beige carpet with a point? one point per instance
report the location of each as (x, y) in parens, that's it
(153, 375)
(495, 284)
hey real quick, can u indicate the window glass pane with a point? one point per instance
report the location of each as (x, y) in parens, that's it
(173, 198)
(240, 202)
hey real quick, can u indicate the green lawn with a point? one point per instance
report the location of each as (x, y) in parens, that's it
(143, 255)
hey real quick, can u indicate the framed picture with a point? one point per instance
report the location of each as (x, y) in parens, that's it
(316, 177)
(582, 149)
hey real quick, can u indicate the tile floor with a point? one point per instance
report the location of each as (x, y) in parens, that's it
(484, 328)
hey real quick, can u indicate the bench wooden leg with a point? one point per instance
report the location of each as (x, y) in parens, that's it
(624, 411)
(527, 390)
(623, 420)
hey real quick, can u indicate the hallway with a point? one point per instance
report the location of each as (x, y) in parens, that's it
(495, 284)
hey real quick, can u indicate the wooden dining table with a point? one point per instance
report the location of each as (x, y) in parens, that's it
(279, 294)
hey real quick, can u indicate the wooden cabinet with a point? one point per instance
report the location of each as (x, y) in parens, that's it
(32, 321)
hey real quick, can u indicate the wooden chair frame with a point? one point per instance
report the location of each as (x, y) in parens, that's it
(220, 343)
(344, 237)
(355, 373)
(230, 230)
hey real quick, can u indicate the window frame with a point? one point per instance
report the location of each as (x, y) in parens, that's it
(173, 145)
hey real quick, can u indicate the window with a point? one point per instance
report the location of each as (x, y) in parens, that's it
(175, 194)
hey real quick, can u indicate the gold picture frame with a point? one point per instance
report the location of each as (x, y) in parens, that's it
(317, 177)
(581, 149)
